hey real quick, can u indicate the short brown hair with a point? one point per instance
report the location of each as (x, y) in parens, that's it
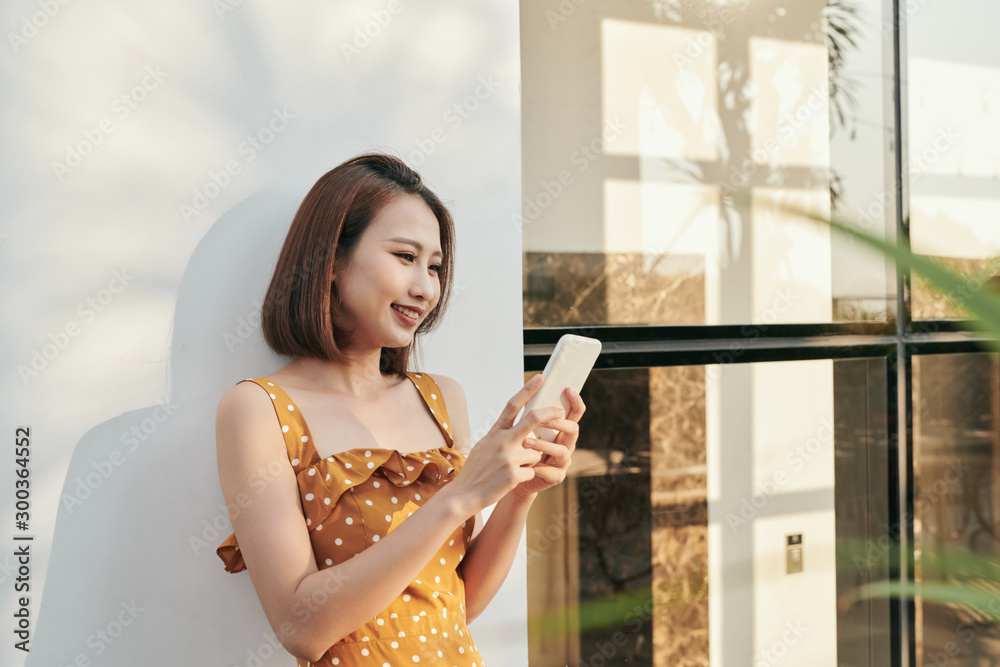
(297, 316)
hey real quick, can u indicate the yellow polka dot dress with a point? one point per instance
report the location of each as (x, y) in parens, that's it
(353, 499)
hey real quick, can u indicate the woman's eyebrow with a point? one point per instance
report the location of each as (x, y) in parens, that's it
(416, 244)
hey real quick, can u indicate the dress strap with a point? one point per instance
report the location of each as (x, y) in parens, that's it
(298, 439)
(431, 393)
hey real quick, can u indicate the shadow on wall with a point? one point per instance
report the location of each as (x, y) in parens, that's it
(133, 577)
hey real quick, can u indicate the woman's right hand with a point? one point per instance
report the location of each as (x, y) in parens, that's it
(499, 462)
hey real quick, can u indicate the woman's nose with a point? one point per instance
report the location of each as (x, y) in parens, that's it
(423, 285)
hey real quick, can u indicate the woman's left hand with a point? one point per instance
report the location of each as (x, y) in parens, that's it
(551, 470)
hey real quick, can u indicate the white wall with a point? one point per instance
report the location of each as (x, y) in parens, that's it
(171, 289)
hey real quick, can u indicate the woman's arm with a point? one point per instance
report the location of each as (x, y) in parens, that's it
(311, 609)
(492, 549)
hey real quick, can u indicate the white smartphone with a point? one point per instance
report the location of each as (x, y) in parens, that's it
(569, 366)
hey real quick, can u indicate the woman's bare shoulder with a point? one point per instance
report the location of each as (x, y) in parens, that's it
(458, 409)
(244, 398)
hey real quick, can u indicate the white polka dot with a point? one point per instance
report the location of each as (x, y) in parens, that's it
(375, 538)
(309, 522)
(445, 424)
(434, 631)
(418, 375)
(364, 651)
(417, 496)
(347, 465)
(272, 395)
(416, 658)
(422, 638)
(416, 618)
(328, 477)
(434, 396)
(336, 661)
(451, 542)
(368, 452)
(381, 621)
(312, 471)
(376, 484)
(295, 462)
(393, 615)
(394, 644)
(291, 408)
(319, 527)
(437, 580)
(326, 501)
(417, 581)
(330, 459)
(461, 649)
(409, 467)
(423, 613)
(443, 561)
(284, 429)
(347, 481)
(305, 438)
(406, 598)
(393, 499)
(338, 541)
(370, 465)
(388, 518)
(329, 562)
(402, 634)
(269, 384)
(349, 521)
(440, 654)
(368, 502)
(309, 496)
(432, 410)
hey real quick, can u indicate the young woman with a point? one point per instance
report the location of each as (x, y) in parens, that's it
(359, 492)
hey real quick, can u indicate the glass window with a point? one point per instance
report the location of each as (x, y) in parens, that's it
(710, 502)
(669, 146)
(954, 142)
(956, 437)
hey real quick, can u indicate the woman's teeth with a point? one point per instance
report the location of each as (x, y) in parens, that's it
(406, 311)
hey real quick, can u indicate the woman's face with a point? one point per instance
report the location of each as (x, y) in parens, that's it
(395, 264)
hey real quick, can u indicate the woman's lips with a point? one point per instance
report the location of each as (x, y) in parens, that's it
(407, 320)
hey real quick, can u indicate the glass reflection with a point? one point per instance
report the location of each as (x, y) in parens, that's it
(668, 145)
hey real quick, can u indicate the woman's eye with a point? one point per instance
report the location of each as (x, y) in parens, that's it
(437, 268)
(409, 256)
